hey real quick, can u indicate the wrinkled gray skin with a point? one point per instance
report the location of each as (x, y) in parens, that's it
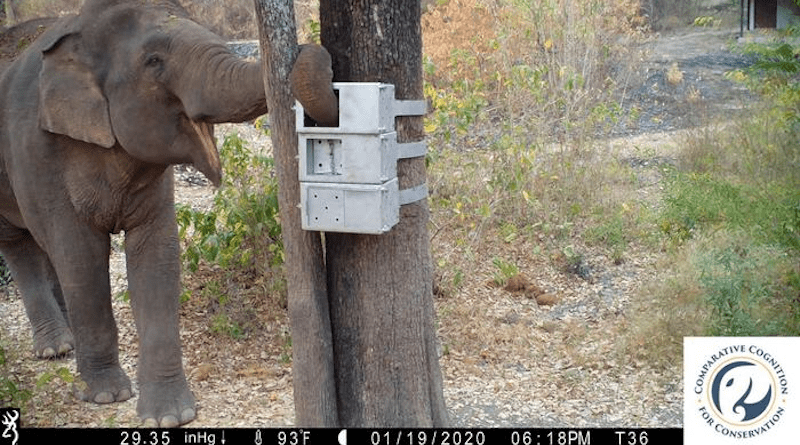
(92, 116)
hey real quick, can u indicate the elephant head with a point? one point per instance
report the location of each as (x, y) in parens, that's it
(143, 75)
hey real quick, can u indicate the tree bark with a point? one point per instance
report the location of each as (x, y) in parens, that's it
(380, 287)
(309, 317)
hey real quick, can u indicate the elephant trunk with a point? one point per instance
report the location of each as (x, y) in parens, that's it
(233, 90)
(219, 87)
(310, 81)
(216, 86)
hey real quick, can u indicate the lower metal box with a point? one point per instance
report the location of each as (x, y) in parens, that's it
(354, 208)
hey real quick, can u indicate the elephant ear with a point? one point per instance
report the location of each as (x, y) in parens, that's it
(70, 99)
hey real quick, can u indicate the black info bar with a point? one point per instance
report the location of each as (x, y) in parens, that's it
(353, 436)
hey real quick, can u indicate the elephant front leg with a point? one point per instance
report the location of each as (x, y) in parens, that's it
(154, 284)
(80, 257)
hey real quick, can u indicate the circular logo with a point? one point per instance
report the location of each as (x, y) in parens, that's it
(742, 391)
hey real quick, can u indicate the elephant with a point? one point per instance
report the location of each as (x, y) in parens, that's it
(93, 114)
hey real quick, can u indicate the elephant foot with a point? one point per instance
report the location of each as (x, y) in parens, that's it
(166, 405)
(104, 387)
(53, 345)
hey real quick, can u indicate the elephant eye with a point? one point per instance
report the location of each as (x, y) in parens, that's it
(153, 61)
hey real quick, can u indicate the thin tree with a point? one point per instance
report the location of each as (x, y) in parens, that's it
(312, 361)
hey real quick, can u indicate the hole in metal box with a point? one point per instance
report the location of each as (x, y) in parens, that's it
(308, 121)
(324, 156)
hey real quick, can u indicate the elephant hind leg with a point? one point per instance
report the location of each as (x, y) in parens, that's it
(41, 292)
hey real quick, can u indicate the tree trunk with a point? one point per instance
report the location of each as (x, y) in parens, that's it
(11, 17)
(312, 361)
(380, 287)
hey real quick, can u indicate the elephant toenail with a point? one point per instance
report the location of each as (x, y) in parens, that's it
(123, 395)
(150, 423)
(48, 353)
(104, 397)
(169, 422)
(64, 348)
(188, 415)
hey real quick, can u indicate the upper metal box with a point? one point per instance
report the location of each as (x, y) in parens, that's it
(364, 108)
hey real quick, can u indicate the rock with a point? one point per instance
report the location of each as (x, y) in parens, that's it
(548, 299)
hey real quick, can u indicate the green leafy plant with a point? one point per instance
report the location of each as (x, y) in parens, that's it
(505, 271)
(12, 392)
(314, 29)
(774, 75)
(61, 374)
(781, 58)
(702, 200)
(613, 233)
(741, 284)
(222, 324)
(242, 229)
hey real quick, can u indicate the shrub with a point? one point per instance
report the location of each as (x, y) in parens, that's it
(748, 287)
(242, 229)
(694, 200)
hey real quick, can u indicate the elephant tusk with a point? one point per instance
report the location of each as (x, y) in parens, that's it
(207, 160)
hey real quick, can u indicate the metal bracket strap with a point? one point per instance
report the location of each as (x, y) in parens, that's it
(413, 194)
(412, 150)
(409, 107)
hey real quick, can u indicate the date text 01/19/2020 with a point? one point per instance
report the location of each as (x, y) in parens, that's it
(479, 437)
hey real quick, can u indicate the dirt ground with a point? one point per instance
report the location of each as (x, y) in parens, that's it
(570, 373)
(680, 82)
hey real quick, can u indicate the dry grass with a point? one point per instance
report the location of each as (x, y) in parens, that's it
(668, 308)
(527, 85)
(674, 74)
(551, 60)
